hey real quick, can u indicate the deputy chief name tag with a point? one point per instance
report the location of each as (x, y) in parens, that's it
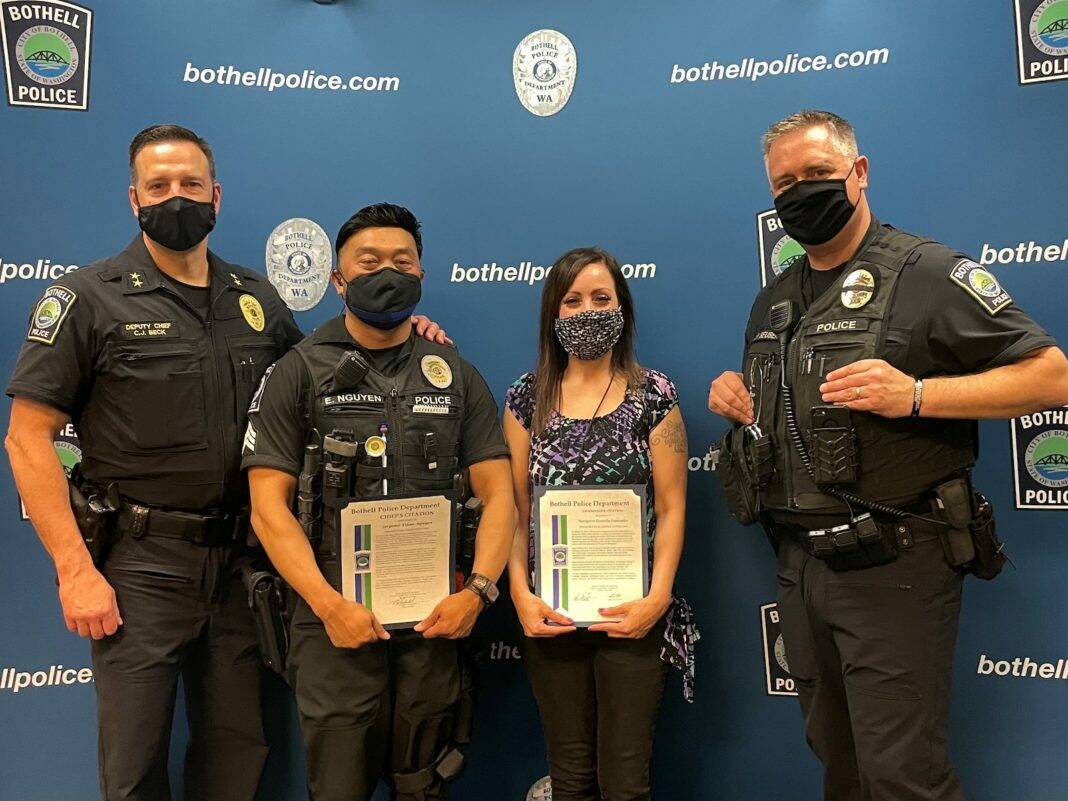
(149, 329)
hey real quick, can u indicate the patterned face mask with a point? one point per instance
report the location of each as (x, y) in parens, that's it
(590, 334)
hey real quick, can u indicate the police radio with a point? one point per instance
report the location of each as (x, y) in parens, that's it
(350, 371)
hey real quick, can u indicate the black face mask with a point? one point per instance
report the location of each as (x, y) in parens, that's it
(177, 223)
(385, 298)
(814, 212)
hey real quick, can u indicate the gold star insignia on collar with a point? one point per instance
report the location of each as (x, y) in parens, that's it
(135, 280)
(236, 279)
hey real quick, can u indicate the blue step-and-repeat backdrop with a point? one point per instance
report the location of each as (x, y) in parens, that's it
(516, 131)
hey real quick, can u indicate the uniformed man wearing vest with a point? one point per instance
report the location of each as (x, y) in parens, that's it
(866, 366)
(412, 415)
(154, 354)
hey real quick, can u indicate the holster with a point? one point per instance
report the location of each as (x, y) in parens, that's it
(989, 556)
(970, 539)
(464, 721)
(735, 476)
(953, 499)
(270, 613)
(96, 514)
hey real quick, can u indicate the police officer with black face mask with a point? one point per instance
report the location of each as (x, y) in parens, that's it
(384, 412)
(866, 366)
(154, 354)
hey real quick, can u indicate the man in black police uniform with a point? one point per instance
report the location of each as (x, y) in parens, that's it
(893, 347)
(374, 703)
(154, 355)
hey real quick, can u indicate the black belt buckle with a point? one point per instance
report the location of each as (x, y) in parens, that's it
(139, 520)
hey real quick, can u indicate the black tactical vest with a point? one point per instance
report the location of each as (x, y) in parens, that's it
(900, 459)
(419, 412)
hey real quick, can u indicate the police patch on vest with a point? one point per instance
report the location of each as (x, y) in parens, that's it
(50, 313)
(254, 404)
(766, 335)
(149, 329)
(857, 289)
(437, 371)
(253, 311)
(432, 404)
(860, 324)
(981, 285)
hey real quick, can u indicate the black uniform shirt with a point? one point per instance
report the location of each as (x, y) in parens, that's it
(937, 326)
(281, 425)
(157, 393)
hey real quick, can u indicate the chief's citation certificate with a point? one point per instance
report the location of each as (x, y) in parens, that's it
(397, 556)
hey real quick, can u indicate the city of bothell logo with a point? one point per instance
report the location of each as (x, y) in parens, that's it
(46, 53)
(1040, 459)
(1042, 40)
(778, 251)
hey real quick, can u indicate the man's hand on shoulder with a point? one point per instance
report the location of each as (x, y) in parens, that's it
(429, 330)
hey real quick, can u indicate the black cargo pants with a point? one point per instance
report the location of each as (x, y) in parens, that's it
(382, 711)
(184, 614)
(872, 651)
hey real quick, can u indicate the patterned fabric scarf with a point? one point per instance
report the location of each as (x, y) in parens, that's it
(680, 639)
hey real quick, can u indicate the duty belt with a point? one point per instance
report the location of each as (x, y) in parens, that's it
(865, 541)
(213, 529)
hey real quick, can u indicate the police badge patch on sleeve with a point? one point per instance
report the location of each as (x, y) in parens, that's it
(981, 285)
(50, 313)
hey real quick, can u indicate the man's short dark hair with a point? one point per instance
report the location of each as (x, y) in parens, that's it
(154, 134)
(380, 215)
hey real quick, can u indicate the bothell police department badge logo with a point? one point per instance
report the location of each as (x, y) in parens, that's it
(46, 53)
(1040, 459)
(857, 289)
(544, 68)
(541, 790)
(299, 258)
(778, 250)
(776, 669)
(1042, 40)
(253, 312)
(436, 370)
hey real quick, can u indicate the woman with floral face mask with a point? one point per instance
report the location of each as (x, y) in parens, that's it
(590, 414)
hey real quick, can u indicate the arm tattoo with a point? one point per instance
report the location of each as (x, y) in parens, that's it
(673, 434)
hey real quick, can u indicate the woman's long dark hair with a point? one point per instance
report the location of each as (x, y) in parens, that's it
(552, 358)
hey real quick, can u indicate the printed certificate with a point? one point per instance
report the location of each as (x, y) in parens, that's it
(397, 556)
(590, 548)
